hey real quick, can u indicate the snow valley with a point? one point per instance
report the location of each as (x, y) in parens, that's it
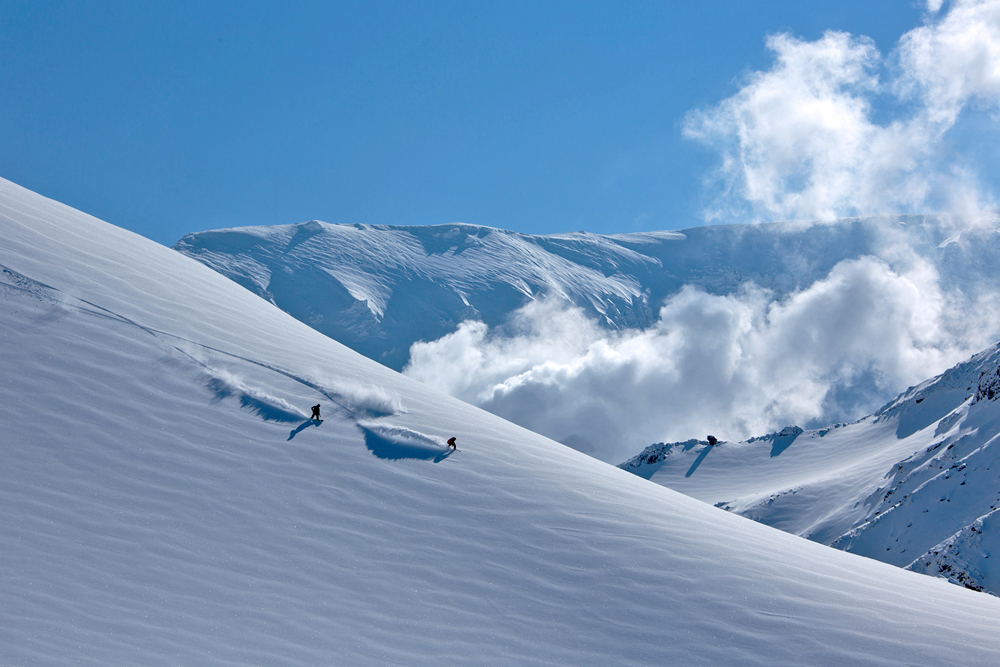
(166, 501)
(609, 343)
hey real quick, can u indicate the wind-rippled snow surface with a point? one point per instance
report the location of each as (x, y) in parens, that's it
(151, 515)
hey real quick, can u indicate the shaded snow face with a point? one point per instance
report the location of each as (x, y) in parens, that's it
(734, 365)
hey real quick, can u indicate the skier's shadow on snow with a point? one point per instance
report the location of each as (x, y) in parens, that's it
(395, 451)
(303, 426)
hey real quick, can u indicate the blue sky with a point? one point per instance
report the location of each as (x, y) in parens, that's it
(169, 118)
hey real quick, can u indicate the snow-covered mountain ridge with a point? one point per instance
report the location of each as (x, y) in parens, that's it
(916, 484)
(380, 288)
(165, 501)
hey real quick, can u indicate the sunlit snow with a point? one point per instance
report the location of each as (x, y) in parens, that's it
(165, 502)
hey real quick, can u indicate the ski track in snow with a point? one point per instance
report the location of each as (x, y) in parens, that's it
(355, 399)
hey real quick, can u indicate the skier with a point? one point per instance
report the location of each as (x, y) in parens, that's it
(315, 415)
(712, 440)
(451, 443)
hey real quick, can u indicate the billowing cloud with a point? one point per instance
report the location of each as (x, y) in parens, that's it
(803, 139)
(733, 365)
(953, 62)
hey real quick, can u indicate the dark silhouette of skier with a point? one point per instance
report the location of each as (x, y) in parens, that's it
(712, 440)
(315, 415)
(451, 443)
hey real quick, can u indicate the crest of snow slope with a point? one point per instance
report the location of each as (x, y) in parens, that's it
(380, 288)
(744, 327)
(165, 502)
(915, 484)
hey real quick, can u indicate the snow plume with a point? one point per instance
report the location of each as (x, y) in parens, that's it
(821, 135)
(401, 435)
(358, 397)
(732, 365)
(270, 408)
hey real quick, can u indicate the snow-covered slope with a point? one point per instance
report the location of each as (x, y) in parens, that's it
(916, 484)
(164, 501)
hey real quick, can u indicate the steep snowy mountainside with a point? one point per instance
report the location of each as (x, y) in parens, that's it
(380, 288)
(915, 485)
(165, 501)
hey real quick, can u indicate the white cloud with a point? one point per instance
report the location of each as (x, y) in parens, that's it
(801, 140)
(735, 366)
(955, 61)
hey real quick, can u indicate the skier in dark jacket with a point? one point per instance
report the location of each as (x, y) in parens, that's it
(451, 443)
(315, 415)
